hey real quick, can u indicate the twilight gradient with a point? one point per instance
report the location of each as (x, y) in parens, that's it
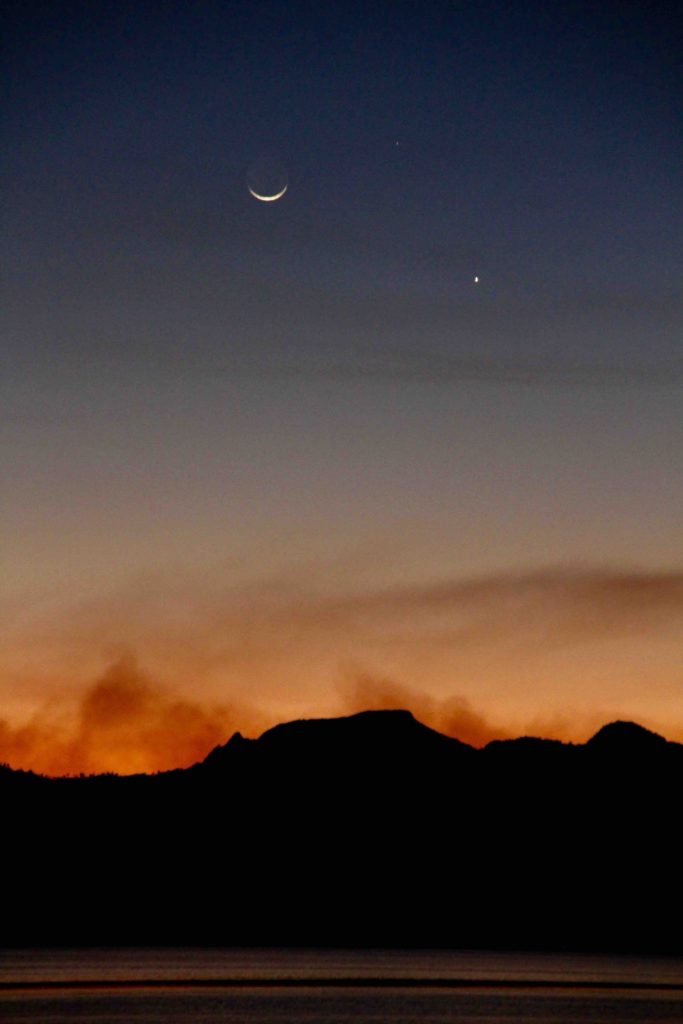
(267, 460)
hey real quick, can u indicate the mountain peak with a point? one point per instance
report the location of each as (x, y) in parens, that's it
(622, 736)
(366, 735)
(362, 719)
(220, 754)
(364, 725)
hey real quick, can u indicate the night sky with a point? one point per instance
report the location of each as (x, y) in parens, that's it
(410, 435)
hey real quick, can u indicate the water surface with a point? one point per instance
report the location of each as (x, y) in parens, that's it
(334, 987)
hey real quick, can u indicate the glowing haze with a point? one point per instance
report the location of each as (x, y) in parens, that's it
(554, 654)
(409, 437)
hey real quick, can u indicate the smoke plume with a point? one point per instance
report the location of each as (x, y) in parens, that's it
(124, 723)
(453, 716)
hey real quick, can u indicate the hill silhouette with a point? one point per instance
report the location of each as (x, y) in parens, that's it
(628, 738)
(370, 829)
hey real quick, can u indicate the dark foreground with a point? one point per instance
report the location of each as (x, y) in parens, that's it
(367, 831)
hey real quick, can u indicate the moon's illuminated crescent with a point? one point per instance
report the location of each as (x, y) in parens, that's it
(268, 199)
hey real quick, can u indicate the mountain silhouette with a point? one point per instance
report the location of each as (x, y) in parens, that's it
(367, 742)
(628, 738)
(369, 829)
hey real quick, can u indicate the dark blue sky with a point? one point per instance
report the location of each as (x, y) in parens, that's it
(538, 147)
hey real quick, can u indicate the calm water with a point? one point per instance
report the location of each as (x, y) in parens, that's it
(175, 985)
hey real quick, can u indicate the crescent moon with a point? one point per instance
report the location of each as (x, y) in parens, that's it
(268, 199)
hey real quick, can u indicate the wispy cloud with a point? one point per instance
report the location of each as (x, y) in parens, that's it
(452, 371)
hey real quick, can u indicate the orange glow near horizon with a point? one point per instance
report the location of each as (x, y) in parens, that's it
(126, 727)
(555, 654)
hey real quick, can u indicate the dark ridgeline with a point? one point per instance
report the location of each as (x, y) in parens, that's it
(367, 830)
